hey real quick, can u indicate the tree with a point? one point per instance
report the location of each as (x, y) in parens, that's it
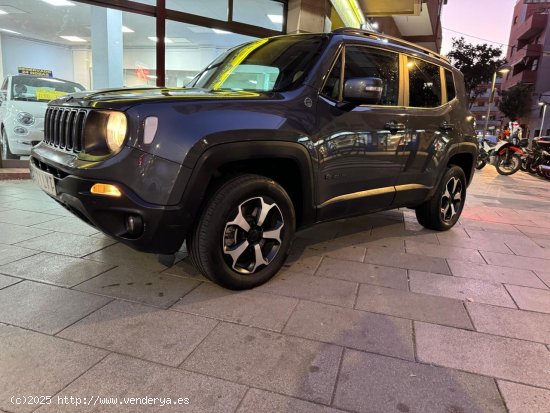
(516, 102)
(477, 63)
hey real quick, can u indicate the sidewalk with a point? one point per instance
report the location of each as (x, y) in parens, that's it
(374, 314)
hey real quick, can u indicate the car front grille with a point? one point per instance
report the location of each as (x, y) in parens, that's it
(64, 128)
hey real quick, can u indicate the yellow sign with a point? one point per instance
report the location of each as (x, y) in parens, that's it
(46, 94)
(35, 72)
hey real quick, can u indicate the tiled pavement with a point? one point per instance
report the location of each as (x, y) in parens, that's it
(373, 314)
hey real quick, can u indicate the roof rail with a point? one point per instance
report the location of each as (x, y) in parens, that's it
(380, 36)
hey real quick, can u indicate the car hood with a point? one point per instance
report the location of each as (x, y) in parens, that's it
(122, 99)
(37, 109)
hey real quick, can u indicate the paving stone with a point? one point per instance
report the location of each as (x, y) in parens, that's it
(161, 290)
(185, 268)
(525, 325)
(542, 242)
(121, 376)
(351, 328)
(33, 205)
(488, 226)
(522, 399)
(387, 257)
(309, 287)
(260, 401)
(370, 383)
(10, 253)
(69, 225)
(463, 240)
(422, 307)
(38, 364)
(250, 308)
(500, 357)
(531, 298)
(55, 269)
(12, 234)
(544, 276)
(120, 254)
(45, 308)
(307, 265)
(443, 251)
(161, 336)
(533, 231)
(460, 288)
(506, 260)
(26, 218)
(334, 250)
(270, 361)
(6, 281)
(495, 273)
(66, 244)
(364, 273)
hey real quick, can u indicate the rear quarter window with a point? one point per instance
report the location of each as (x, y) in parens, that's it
(449, 81)
(424, 84)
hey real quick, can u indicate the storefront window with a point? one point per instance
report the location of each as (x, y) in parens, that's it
(263, 13)
(214, 9)
(189, 49)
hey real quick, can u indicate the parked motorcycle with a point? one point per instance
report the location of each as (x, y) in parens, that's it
(504, 155)
(539, 155)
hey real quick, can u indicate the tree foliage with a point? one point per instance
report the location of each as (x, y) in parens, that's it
(477, 62)
(516, 102)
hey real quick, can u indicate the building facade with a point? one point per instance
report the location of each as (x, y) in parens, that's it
(529, 56)
(479, 109)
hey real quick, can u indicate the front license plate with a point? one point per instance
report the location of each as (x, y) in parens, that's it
(44, 180)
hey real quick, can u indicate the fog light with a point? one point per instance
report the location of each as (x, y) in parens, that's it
(105, 189)
(134, 225)
(21, 130)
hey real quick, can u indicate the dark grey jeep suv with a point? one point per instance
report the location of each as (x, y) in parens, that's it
(273, 136)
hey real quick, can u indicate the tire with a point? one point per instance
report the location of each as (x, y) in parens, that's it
(510, 167)
(230, 234)
(480, 164)
(533, 166)
(439, 213)
(5, 152)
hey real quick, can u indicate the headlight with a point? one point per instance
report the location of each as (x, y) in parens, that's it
(25, 118)
(104, 133)
(116, 130)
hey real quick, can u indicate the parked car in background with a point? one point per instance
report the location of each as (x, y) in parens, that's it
(23, 101)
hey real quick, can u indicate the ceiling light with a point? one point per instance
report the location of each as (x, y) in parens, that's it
(155, 39)
(73, 38)
(218, 31)
(275, 18)
(59, 2)
(3, 12)
(9, 31)
(126, 30)
(375, 25)
(152, 76)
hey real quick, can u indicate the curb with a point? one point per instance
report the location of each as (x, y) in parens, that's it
(14, 173)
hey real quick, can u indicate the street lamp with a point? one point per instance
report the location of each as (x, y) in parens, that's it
(544, 105)
(502, 70)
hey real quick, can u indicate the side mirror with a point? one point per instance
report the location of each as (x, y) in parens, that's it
(363, 90)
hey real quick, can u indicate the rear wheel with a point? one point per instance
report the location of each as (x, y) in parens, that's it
(442, 211)
(244, 233)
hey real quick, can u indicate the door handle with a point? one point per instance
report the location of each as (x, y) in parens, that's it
(394, 127)
(445, 126)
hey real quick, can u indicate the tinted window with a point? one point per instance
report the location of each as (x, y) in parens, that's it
(5, 84)
(451, 93)
(367, 62)
(424, 84)
(332, 84)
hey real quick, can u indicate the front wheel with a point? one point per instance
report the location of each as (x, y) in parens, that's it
(508, 164)
(480, 164)
(442, 211)
(244, 232)
(5, 147)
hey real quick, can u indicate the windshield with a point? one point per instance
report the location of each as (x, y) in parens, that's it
(265, 65)
(41, 89)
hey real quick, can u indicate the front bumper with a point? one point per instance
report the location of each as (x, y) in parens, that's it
(153, 228)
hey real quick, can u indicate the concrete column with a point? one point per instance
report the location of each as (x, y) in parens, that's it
(107, 68)
(308, 16)
(1, 62)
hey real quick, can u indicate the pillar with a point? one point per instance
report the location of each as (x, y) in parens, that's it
(107, 48)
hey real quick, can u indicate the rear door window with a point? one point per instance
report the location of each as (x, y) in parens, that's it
(424, 84)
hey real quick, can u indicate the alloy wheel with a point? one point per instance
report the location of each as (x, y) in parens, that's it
(451, 200)
(252, 239)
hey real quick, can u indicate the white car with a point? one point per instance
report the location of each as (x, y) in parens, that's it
(23, 100)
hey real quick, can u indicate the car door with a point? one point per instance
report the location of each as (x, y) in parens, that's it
(429, 129)
(357, 145)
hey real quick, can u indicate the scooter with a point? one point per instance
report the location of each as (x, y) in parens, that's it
(504, 155)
